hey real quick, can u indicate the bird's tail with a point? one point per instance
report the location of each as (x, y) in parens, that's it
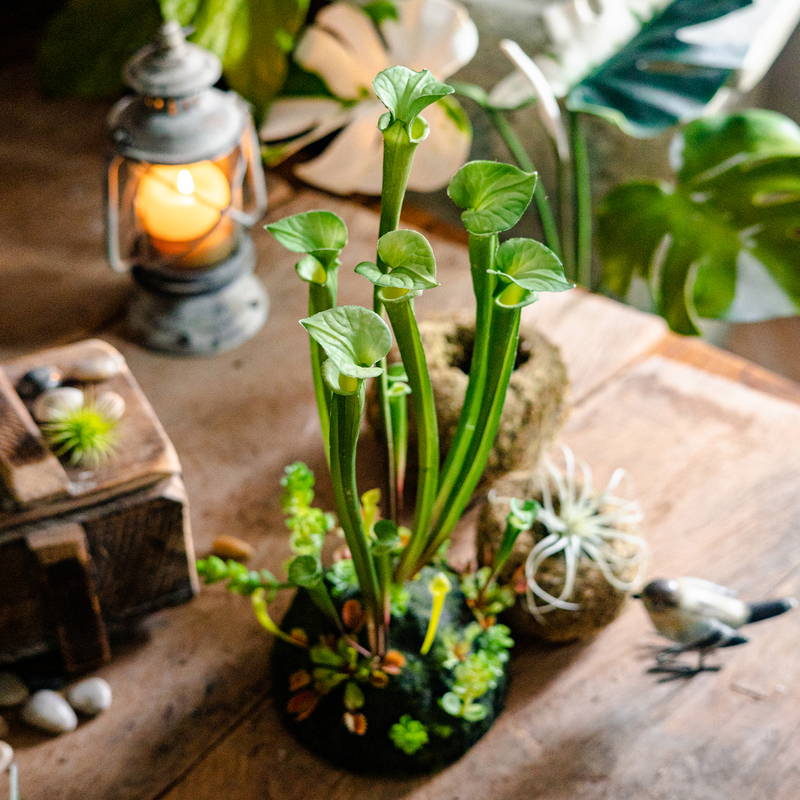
(770, 608)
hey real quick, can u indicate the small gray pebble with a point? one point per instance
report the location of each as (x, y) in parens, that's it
(13, 691)
(38, 380)
(90, 696)
(49, 712)
(97, 368)
(6, 756)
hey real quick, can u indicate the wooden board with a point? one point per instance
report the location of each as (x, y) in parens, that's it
(714, 464)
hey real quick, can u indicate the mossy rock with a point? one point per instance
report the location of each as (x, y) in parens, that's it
(535, 407)
(600, 602)
(414, 692)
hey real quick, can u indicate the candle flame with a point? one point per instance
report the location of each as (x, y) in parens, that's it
(184, 182)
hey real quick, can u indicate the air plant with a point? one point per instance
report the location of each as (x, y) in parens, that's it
(582, 523)
(85, 433)
(392, 570)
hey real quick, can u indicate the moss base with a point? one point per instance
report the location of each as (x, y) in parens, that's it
(416, 691)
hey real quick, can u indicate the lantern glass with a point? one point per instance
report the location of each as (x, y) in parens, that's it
(183, 216)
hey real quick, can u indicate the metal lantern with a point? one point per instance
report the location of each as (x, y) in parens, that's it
(184, 183)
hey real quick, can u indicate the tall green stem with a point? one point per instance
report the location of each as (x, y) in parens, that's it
(481, 257)
(582, 219)
(398, 155)
(524, 162)
(504, 337)
(406, 332)
(321, 297)
(345, 423)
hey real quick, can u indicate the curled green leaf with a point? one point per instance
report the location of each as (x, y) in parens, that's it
(494, 195)
(320, 234)
(353, 338)
(531, 266)
(406, 93)
(409, 259)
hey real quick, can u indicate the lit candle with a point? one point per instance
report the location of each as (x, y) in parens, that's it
(178, 205)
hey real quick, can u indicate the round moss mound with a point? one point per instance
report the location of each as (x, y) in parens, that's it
(402, 713)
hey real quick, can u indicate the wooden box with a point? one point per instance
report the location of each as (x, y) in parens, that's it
(83, 551)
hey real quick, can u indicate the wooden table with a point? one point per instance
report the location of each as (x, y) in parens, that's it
(710, 441)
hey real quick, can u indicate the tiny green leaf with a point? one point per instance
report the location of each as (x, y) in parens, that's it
(353, 338)
(321, 234)
(406, 93)
(494, 195)
(387, 537)
(409, 259)
(353, 696)
(380, 10)
(474, 712)
(451, 703)
(305, 571)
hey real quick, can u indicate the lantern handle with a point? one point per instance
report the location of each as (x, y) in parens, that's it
(112, 215)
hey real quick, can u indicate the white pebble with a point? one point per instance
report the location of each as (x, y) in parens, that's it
(6, 756)
(13, 691)
(97, 368)
(48, 406)
(49, 711)
(90, 696)
(110, 405)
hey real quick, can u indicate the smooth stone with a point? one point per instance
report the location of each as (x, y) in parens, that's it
(227, 546)
(13, 691)
(110, 405)
(97, 368)
(49, 405)
(90, 696)
(49, 712)
(38, 380)
(3, 729)
(6, 756)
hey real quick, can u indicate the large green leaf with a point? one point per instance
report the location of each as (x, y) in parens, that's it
(88, 42)
(658, 78)
(494, 195)
(261, 37)
(724, 242)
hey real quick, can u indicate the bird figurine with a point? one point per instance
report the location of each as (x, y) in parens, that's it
(702, 616)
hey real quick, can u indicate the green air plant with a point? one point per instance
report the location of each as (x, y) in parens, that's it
(376, 642)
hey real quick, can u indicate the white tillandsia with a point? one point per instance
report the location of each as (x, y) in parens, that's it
(346, 49)
(582, 522)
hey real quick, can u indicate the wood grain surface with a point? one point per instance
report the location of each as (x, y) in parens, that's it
(713, 461)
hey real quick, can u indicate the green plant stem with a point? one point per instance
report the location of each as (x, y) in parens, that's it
(504, 338)
(398, 155)
(321, 297)
(406, 332)
(582, 219)
(398, 407)
(520, 155)
(566, 210)
(481, 257)
(345, 423)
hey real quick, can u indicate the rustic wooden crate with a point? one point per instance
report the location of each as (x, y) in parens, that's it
(82, 551)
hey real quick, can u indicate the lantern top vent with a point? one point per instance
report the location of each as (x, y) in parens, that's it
(172, 67)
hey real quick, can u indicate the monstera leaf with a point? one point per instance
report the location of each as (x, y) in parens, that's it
(724, 241)
(663, 75)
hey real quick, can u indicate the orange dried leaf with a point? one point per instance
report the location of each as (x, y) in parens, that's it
(353, 615)
(303, 704)
(299, 679)
(355, 723)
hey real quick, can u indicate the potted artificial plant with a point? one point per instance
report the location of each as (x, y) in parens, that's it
(387, 660)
